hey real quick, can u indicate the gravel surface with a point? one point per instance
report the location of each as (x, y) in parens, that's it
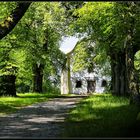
(42, 120)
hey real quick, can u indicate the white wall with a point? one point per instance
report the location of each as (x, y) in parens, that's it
(81, 90)
(83, 76)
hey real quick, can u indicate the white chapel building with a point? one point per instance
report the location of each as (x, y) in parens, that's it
(82, 82)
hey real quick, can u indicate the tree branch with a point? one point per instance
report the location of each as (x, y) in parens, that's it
(13, 18)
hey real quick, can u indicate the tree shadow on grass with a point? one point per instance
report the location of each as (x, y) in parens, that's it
(4, 108)
(39, 96)
(51, 96)
(114, 121)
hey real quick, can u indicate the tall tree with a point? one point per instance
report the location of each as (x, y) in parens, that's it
(8, 22)
(43, 34)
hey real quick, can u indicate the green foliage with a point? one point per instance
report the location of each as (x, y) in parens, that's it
(88, 54)
(137, 61)
(80, 57)
(108, 23)
(102, 115)
(91, 52)
(35, 39)
(137, 65)
(5, 10)
(68, 17)
(7, 64)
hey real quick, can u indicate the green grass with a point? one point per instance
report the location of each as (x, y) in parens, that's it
(12, 104)
(103, 115)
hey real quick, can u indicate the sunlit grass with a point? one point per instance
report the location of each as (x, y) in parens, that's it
(102, 115)
(12, 104)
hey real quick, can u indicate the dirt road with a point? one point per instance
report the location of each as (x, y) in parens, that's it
(42, 120)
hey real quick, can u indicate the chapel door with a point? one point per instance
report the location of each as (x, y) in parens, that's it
(91, 86)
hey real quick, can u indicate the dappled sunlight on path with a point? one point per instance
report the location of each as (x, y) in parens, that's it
(42, 120)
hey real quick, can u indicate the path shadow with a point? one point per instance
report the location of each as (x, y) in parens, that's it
(44, 120)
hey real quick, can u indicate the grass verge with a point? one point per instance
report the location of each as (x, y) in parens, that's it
(11, 104)
(103, 115)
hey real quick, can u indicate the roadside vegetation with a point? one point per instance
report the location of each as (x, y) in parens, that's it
(12, 104)
(103, 115)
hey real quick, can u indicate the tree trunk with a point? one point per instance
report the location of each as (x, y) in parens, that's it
(13, 18)
(132, 76)
(124, 76)
(38, 77)
(7, 85)
(118, 80)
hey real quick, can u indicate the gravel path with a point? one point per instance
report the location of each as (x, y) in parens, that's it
(42, 120)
